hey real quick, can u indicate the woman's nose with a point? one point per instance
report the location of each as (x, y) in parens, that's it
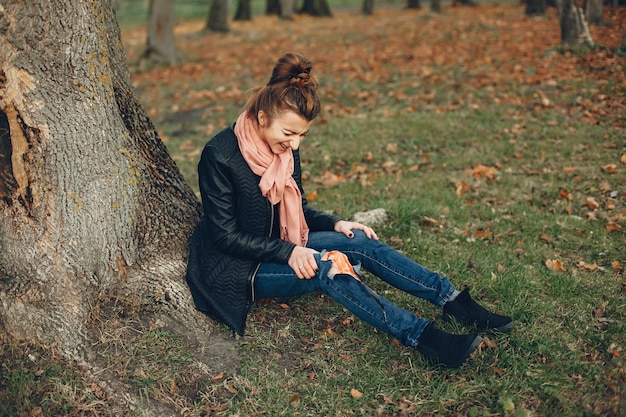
(295, 144)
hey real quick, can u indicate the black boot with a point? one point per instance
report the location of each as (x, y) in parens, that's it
(447, 349)
(468, 312)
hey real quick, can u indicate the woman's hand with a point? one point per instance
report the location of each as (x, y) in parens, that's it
(346, 228)
(303, 262)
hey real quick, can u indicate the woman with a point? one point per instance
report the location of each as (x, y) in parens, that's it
(260, 239)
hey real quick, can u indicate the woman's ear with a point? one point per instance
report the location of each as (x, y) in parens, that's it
(262, 118)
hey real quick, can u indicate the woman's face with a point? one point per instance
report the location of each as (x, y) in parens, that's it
(284, 132)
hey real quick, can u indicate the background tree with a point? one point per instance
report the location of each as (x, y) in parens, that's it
(593, 11)
(287, 8)
(218, 16)
(574, 29)
(316, 8)
(413, 4)
(272, 7)
(368, 7)
(92, 207)
(535, 7)
(244, 11)
(161, 44)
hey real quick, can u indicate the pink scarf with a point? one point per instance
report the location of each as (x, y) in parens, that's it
(277, 183)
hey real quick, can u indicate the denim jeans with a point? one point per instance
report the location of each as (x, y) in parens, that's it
(279, 280)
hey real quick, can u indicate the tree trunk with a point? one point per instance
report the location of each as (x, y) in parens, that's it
(535, 7)
(272, 7)
(368, 7)
(218, 16)
(435, 6)
(317, 8)
(413, 4)
(574, 30)
(287, 7)
(91, 204)
(161, 46)
(244, 12)
(593, 11)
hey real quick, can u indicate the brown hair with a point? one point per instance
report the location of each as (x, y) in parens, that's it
(290, 88)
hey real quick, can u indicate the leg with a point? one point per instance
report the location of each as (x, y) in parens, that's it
(387, 264)
(279, 280)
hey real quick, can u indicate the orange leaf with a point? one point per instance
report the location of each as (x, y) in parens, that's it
(547, 238)
(555, 265)
(482, 234)
(588, 267)
(218, 376)
(610, 168)
(565, 195)
(592, 203)
(312, 196)
(356, 394)
(461, 188)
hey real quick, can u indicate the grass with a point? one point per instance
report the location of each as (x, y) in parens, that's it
(484, 181)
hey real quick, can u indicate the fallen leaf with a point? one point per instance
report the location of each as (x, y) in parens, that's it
(218, 376)
(547, 238)
(482, 234)
(294, 400)
(356, 394)
(555, 265)
(588, 267)
(565, 195)
(461, 188)
(591, 203)
(610, 168)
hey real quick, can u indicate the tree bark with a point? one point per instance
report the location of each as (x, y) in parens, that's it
(91, 204)
(218, 16)
(287, 8)
(535, 7)
(317, 8)
(161, 44)
(593, 11)
(574, 29)
(368, 7)
(413, 4)
(272, 7)
(435, 6)
(244, 12)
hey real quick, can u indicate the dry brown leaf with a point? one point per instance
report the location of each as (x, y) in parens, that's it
(547, 238)
(356, 394)
(565, 195)
(482, 234)
(591, 203)
(461, 188)
(610, 168)
(294, 400)
(555, 265)
(218, 376)
(588, 267)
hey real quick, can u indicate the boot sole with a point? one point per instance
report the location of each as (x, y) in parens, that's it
(501, 329)
(467, 354)
(433, 354)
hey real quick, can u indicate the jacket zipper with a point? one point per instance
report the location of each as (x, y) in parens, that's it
(259, 265)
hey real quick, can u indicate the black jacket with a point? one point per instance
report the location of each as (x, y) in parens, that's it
(234, 236)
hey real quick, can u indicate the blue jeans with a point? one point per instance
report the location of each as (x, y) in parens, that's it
(279, 280)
